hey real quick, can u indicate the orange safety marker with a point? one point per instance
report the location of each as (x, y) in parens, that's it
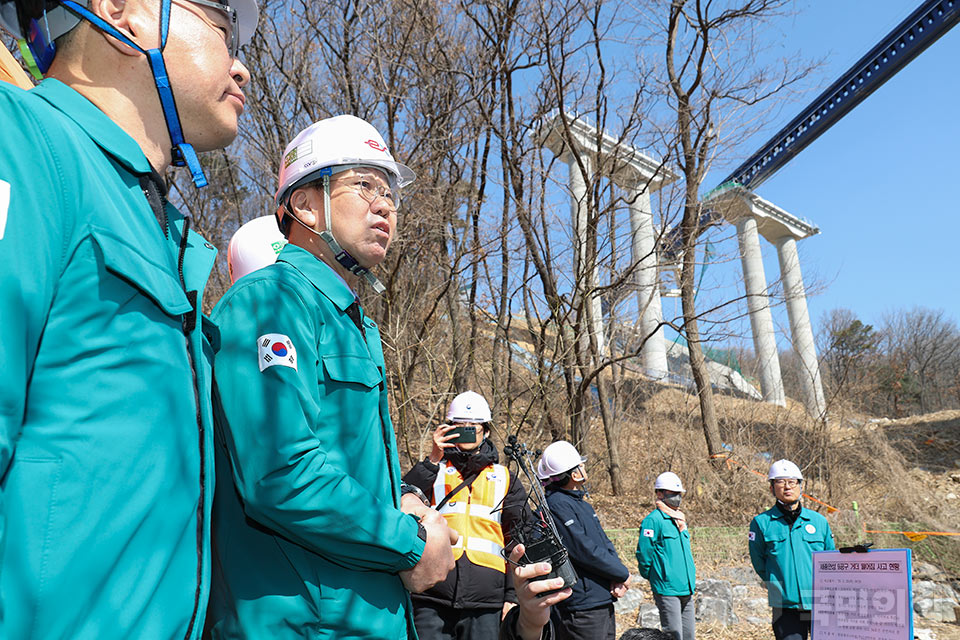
(916, 536)
(830, 509)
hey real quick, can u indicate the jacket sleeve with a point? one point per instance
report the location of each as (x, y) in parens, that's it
(422, 475)
(508, 628)
(756, 544)
(285, 477)
(649, 534)
(588, 554)
(34, 231)
(829, 544)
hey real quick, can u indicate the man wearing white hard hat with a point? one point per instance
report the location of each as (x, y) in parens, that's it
(664, 558)
(482, 501)
(601, 578)
(106, 428)
(782, 541)
(312, 536)
(255, 245)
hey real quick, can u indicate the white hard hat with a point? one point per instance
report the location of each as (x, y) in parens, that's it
(784, 469)
(669, 481)
(248, 15)
(469, 406)
(333, 142)
(559, 457)
(256, 244)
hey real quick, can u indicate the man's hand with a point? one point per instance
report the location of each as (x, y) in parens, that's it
(413, 505)
(534, 611)
(619, 589)
(506, 609)
(441, 435)
(437, 559)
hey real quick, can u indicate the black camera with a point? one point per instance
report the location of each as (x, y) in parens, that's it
(537, 532)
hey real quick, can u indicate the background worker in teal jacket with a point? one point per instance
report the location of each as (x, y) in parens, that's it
(664, 558)
(105, 418)
(782, 542)
(310, 539)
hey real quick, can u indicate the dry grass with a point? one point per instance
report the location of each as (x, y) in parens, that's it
(862, 469)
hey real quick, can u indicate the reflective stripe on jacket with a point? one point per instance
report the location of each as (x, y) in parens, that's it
(475, 512)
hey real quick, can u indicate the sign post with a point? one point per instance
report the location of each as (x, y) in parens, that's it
(862, 596)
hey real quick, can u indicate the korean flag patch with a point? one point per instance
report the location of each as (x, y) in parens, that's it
(276, 350)
(648, 533)
(752, 535)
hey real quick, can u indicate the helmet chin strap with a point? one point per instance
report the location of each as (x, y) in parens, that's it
(182, 153)
(343, 258)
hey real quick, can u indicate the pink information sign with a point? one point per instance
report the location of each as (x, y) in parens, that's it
(862, 595)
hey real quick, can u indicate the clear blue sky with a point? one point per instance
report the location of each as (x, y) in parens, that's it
(881, 184)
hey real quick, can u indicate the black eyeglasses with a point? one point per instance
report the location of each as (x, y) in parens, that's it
(788, 483)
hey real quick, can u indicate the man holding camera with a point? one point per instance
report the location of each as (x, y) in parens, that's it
(483, 501)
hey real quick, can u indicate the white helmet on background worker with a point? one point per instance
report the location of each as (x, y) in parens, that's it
(558, 458)
(669, 481)
(469, 406)
(323, 149)
(784, 469)
(256, 244)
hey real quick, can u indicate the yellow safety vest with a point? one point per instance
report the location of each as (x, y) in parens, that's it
(475, 512)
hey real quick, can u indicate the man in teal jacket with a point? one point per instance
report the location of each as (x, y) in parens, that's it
(105, 417)
(664, 558)
(309, 536)
(782, 541)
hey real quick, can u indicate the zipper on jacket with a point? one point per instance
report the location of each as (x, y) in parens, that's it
(155, 193)
(189, 323)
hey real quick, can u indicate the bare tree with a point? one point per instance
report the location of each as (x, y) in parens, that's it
(927, 343)
(710, 80)
(847, 347)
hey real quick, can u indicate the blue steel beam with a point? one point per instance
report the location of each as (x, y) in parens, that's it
(904, 43)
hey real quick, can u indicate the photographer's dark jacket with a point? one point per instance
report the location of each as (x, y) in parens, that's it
(596, 561)
(508, 628)
(479, 579)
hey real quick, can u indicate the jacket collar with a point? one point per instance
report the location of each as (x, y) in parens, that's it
(777, 513)
(320, 275)
(106, 133)
(576, 493)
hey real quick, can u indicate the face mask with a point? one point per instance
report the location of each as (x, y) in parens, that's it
(672, 501)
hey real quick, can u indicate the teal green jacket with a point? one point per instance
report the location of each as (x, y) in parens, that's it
(308, 536)
(105, 453)
(664, 557)
(782, 555)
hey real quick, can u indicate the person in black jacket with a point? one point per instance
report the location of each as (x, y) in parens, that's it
(483, 501)
(588, 613)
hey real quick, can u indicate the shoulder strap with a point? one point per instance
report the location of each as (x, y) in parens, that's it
(466, 483)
